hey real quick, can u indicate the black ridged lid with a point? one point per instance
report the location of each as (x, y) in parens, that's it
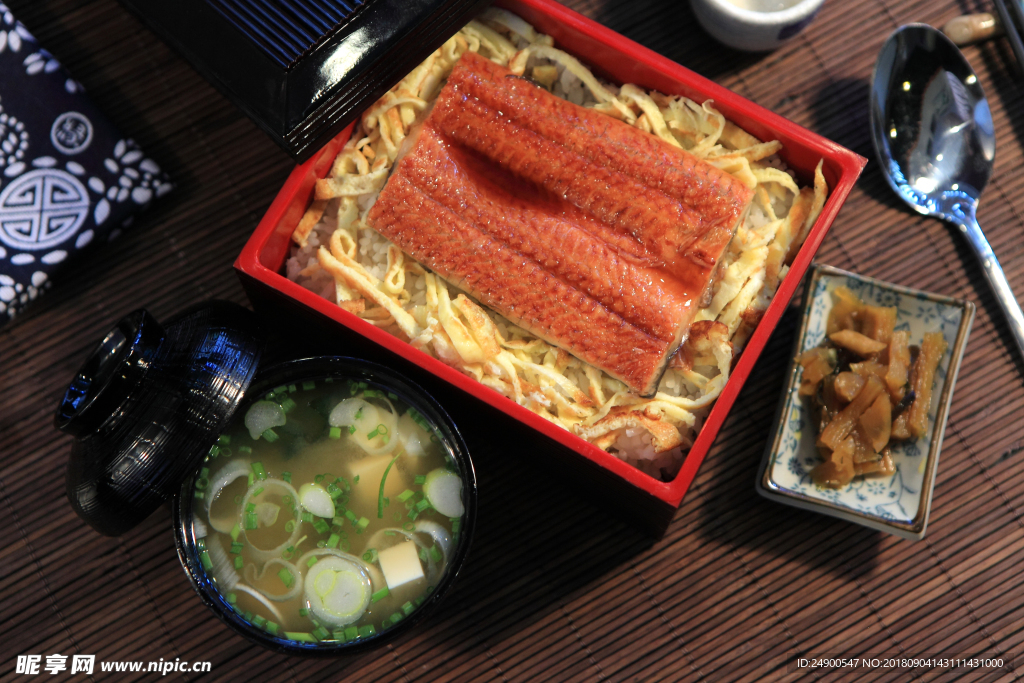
(148, 403)
(305, 69)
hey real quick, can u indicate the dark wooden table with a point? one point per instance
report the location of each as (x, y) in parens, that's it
(556, 588)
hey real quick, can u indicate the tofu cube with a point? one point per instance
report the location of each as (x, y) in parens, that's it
(370, 470)
(400, 564)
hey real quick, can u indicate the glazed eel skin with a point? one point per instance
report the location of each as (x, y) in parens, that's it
(594, 235)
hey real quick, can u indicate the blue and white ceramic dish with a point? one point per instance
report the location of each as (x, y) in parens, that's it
(898, 503)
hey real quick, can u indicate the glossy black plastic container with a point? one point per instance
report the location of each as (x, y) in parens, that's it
(304, 69)
(150, 401)
(338, 368)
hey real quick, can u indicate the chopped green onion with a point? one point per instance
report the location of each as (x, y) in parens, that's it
(257, 467)
(393, 397)
(321, 633)
(456, 523)
(395, 618)
(204, 558)
(339, 635)
(422, 505)
(321, 526)
(287, 405)
(379, 595)
(287, 476)
(245, 449)
(286, 577)
(199, 495)
(359, 414)
(250, 521)
(398, 516)
(292, 388)
(247, 615)
(413, 514)
(307, 516)
(370, 555)
(288, 553)
(271, 628)
(351, 429)
(214, 451)
(367, 631)
(319, 478)
(226, 452)
(235, 531)
(363, 522)
(405, 495)
(409, 526)
(408, 608)
(250, 507)
(270, 435)
(321, 544)
(258, 621)
(350, 516)
(309, 385)
(335, 433)
(201, 544)
(332, 541)
(299, 637)
(290, 526)
(355, 479)
(419, 479)
(236, 548)
(224, 439)
(252, 478)
(281, 389)
(311, 561)
(232, 598)
(423, 554)
(384, 478)
(328, 380)
(372, 434)
(435, 554)
(389, 532)
(351, 633)
(303, 612)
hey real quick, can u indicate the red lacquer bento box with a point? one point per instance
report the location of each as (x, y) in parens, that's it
(645, 500)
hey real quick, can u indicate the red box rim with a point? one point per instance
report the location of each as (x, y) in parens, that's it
(842, 168)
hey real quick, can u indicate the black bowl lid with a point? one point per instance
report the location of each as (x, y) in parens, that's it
(148, 403)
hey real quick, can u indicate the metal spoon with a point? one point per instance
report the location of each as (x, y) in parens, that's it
(934, 138)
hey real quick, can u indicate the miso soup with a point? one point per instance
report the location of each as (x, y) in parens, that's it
(328, 510)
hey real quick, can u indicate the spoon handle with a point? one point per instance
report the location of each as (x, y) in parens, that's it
(968, 225)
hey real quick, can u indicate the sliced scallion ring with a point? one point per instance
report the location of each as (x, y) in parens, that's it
(236, 469)
(262, 488)
(337, 590)
(256, 579)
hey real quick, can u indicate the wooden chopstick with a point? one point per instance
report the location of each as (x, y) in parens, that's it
(1012, 28)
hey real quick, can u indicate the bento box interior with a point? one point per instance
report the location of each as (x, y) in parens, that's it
(651, 503)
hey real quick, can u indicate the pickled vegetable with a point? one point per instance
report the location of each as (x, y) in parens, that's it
(864, 390)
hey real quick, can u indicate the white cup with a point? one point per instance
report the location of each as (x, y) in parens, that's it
(753, 30)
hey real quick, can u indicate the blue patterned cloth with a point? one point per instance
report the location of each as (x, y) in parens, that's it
(68, 180)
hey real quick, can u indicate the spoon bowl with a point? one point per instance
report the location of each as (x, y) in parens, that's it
(934, 138)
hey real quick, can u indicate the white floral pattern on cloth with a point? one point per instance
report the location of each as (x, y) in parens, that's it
(896, 498)
(14, 141)
(12, 34)
(138, 178)
(67, 178)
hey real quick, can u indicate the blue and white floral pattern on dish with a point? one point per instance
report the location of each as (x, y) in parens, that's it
(897, 503)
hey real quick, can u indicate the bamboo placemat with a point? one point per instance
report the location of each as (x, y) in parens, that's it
(555, 588)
